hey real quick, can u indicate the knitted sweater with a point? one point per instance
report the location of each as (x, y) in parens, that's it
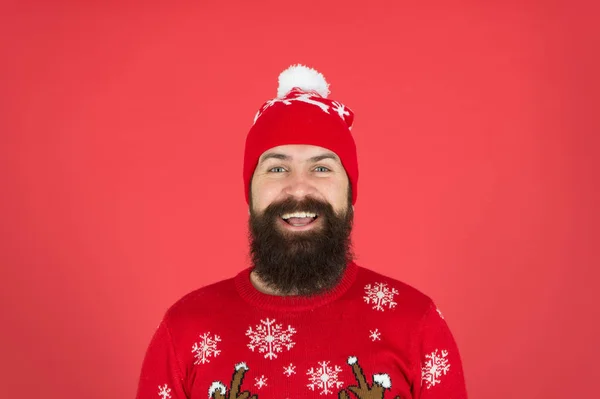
(372, 337)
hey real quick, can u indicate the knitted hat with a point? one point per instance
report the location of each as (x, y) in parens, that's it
(302, 114)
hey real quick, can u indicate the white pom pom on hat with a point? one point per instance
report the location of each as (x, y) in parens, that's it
(304, 78)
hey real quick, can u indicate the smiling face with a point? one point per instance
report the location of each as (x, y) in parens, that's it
(298, 172)
(300, 219)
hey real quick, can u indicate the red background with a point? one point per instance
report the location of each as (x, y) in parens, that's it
(121, 140)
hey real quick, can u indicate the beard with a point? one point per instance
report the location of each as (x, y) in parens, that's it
(301, 262)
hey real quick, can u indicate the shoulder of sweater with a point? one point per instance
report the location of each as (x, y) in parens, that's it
(411, 298)
(203, 299)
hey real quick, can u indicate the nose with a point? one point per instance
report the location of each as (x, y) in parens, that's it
(299, 185)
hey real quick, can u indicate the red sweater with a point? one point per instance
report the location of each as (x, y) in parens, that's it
(372, 337)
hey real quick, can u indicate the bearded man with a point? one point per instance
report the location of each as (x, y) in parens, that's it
(303, 320)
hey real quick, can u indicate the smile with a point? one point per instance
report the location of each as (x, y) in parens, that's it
(299, 219)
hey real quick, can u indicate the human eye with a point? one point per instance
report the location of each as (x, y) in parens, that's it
(277, 169)
(322, 169)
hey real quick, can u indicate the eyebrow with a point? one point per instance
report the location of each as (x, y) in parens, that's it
(284, 157)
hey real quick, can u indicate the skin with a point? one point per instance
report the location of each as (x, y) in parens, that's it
(298, 171)
(299, 175)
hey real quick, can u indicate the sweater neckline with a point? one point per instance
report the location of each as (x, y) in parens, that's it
(292, 303)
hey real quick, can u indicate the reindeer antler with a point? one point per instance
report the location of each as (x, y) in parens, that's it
(381, 382)
(218, 391)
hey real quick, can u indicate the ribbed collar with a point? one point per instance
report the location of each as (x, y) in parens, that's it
(292, 303)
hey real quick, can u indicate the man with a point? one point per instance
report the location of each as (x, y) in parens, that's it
(304, 321)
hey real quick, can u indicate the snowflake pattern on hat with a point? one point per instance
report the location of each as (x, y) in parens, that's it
(300, 83)
(312, 98)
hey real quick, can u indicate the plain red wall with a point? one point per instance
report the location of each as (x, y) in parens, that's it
(121, 142)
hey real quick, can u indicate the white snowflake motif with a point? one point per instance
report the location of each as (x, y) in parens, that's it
(433, 368)
(260, 382)
(439, 312)
(324, 378)
(310, 99)
(164, 392)
(380, 295)
(268, 104)
(340, 109)
(289, 370)
(206, 348)
(375, 335)
(270, 338)
(271, 102)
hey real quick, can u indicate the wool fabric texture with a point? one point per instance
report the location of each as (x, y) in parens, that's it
(371, 337)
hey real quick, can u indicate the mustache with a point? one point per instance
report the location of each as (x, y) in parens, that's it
(307, 204)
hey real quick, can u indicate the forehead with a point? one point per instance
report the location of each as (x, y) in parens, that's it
(298, 152)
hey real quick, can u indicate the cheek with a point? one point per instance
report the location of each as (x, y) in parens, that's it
(262, 196)
(337, 195)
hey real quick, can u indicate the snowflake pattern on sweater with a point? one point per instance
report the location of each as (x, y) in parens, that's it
(371, 337)
(270, 338)
(380, 295)
(434, 367)
(324, 378)
(164, 392)
(206, 348)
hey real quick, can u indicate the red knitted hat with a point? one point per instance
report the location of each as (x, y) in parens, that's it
(302, 114)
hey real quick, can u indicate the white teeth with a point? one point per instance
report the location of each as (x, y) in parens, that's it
(299, 215)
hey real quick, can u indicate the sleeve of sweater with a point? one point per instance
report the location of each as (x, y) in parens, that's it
(161, 375)
(441, 370)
